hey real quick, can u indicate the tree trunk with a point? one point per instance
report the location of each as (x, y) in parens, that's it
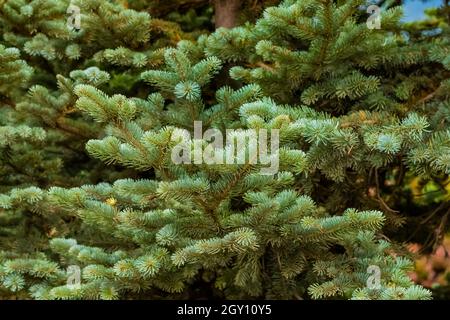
(159, 8)
(226, 13)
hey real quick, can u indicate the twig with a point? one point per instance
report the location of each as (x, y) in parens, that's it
(440, 230)
(431, 215)
(401, 175)
(380, 199)
(265, 66)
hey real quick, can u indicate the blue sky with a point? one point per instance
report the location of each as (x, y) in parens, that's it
(414, 8)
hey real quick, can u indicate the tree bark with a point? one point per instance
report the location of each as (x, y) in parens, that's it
(159, 8)
(226, 13)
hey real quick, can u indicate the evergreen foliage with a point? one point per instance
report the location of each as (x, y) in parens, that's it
(89, 121)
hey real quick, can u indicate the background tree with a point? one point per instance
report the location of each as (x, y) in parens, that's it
(358, 110)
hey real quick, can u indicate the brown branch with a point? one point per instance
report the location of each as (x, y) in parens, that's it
(265, 66)
(428, 218)
(401, 175)
(431, 215)
(18, 169)
(440, 231)
(429, 96)
(380, 199)
(62, 125)
(60, 122)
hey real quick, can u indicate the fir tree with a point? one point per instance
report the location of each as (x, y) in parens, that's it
(354, 107)
(42, 135)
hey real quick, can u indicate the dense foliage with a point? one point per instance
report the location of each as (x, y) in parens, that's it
(90, 119)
